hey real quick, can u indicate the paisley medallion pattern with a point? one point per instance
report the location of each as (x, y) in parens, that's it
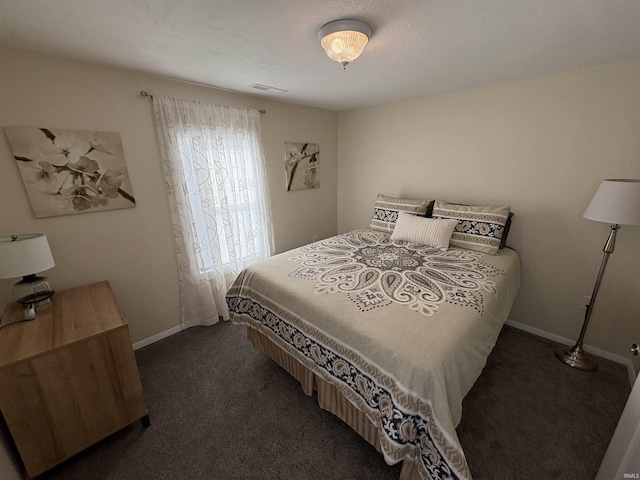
(374, 272)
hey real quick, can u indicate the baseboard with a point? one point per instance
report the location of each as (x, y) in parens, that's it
(157, 337)
(567, 341)
(512, 323)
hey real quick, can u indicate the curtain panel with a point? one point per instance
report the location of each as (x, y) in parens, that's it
(216, 185)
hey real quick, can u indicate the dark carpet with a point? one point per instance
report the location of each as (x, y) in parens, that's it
(221, 410)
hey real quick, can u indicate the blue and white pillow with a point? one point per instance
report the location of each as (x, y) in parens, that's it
(479, 228)
(387, 208)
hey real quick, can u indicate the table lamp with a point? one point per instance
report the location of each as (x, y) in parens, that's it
(616, 202)
(24, 256)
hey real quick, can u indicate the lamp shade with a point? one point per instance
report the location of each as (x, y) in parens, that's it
(344, 40)
(616, 201)
(22, 255)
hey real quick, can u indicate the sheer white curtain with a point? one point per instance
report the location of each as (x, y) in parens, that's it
(216, 184)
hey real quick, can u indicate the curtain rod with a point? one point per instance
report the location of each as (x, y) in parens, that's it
(144, 93)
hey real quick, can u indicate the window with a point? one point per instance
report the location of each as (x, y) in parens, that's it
(218, 199)
(240, 217)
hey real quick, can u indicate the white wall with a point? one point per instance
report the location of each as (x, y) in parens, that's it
(133, 248)
(542, 145)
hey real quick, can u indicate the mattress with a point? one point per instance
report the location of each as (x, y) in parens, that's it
(400, 330)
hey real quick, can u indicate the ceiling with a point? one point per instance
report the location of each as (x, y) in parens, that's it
(418, 47)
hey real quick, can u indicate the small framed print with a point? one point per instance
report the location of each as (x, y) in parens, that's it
(302, 165)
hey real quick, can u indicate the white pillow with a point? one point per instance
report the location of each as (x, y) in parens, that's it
(432, 232)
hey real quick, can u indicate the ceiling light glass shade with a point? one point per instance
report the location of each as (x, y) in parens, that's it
(616, 201)
(342, 47)
(344, 40)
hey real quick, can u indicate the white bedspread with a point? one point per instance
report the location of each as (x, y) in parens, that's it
(402, 330)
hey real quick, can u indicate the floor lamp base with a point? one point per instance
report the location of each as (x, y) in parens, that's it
(576, 357)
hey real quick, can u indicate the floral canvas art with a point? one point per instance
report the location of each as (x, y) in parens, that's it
(71, 171)
(301, 164)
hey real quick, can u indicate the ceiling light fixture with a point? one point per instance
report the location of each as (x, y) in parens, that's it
(344, 40)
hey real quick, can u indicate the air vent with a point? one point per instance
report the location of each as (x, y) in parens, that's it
(267, 88)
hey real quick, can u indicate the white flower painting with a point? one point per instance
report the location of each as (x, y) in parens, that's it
(71, 171)
(301, 165)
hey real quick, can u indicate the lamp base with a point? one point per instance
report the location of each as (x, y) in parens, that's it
(39, 298)
(29, 312)
(33, 290)
(576, 357)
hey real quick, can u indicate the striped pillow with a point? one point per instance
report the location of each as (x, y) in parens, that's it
(432, 232)
(386, 209)
(479, 227)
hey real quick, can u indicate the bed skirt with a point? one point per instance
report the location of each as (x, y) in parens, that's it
(329, 398)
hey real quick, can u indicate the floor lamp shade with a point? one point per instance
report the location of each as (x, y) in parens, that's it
(616, 202)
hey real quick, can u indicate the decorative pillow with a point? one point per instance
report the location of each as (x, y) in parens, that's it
(479, 227)
(432, 232)
(505, 233)
(386, 209)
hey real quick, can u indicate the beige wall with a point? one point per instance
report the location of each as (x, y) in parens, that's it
(133, 248)
(541, 145)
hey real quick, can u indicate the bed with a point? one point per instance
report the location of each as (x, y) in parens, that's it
(389, 332)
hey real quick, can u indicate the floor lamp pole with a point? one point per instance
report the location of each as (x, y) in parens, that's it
(576, 356)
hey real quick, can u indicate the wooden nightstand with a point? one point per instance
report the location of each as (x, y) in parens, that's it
(68, 378)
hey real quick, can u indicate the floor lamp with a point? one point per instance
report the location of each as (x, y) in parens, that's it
(616, 202)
